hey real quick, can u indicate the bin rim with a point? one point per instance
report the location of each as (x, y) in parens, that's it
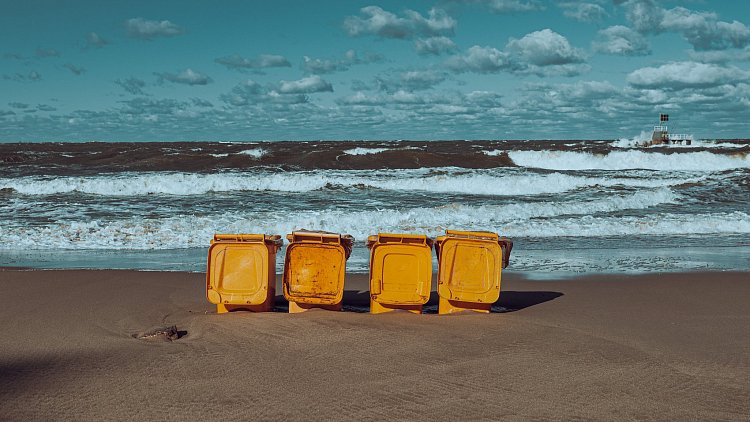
(506, 244)
(273, 239)
(291, 237)
(374, 239)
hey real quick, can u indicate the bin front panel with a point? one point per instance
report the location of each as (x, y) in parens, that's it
(401, 273)
(470, 270)
(314, 273)
(239, 273)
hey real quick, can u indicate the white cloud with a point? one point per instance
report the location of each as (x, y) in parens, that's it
(47, 52)
(417, 106)
(684, 75)
(421, 79)
(76, 70)
(147, 29)
(480, 60)
(545, 48)
(541, 53)
(186, 77)
(486, 99)
(412, 80)
(252, 94)
(94, 40)
(200, 102)
(132, 85)
(238, 62)
(320, 66)
(583, 12)
(621, 40)
(720, 56)
(438, 22)
(306, 85)
(360, 98)
(645, 15)
(703, 30)
(511, 6)
(32, 76)
(434, 45)
(404, 97)
(377, 21)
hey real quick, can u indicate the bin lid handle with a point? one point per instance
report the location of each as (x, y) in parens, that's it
(471, 234)
(298, 236)
(239, 237)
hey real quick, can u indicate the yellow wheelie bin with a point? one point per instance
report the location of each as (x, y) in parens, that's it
(241, 272)
(400, 272)
(469, 267)
(314, 270)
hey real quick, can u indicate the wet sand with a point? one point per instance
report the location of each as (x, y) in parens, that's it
(653, 347)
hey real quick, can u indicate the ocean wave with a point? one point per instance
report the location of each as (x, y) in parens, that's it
(365, 151)
(644, 139)
(538, 219)
(623, 160)
(256, 153)
(481, 182)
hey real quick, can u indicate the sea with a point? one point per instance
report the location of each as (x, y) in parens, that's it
(571, 207)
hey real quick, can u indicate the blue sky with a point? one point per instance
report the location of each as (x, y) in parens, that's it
(471, 69)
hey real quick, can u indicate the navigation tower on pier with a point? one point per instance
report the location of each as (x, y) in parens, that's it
(661, 135)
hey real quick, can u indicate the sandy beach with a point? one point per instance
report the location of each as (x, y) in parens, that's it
(651, 347)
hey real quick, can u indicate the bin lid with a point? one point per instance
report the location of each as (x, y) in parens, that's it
(345, 240)
(469, 269)
(314, 272)
(400, 268)
(238, 272)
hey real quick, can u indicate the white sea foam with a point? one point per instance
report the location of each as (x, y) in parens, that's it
(256, 153)
(623, 160)
(538, 219)
(365, 151)
(705, 143)
(478, 182)
(666, 224)
(637, 141)
(644, 139)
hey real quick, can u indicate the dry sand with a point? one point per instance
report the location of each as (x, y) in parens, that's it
(656, 347)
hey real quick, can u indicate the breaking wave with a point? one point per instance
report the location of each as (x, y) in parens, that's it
(624, 160)
(256, 153)
(496, 183)
(365, 151)
(540, 219)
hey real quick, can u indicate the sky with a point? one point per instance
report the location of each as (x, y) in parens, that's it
(346, 69)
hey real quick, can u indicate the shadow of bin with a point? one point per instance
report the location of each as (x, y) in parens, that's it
(241, 272)
(314, 270)
(400, 272)
(469, 268)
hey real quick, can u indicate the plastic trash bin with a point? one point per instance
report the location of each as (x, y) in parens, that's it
(241, 271)
(314, 270)
(469, 269)
(400, 272)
